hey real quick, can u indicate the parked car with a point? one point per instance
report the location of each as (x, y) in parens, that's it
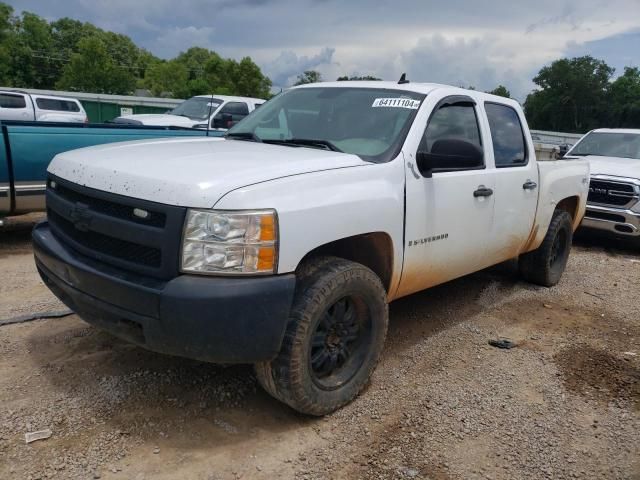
(17, 105)
(26, 148)
(614, 192)
(221, 111)
(282, 243)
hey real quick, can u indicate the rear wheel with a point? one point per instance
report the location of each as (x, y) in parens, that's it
(545, 265)
(334, 338)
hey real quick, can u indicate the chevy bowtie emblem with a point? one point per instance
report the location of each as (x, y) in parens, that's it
(81, 217)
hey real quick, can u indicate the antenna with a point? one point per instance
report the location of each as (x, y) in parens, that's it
(209, 116)
(403, 79)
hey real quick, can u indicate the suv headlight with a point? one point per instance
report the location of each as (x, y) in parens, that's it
(230, 242)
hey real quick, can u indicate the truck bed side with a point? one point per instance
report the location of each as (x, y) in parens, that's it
(27, 148)
(563, 183)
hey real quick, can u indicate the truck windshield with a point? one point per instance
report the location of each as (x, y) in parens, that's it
(369, 122)
(197, 108)
(622, 145)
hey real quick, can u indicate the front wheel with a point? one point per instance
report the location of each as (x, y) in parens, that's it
(545, 265)
(334, 338)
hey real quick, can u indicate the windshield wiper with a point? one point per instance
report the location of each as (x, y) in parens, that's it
(252, 137)
(310, 142)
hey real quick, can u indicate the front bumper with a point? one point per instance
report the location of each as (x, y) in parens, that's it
(614, 220)
(214, 319)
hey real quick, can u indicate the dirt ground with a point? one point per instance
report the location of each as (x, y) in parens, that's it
(443, 404)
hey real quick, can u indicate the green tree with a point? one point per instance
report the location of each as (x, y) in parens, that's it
(167, 79)
(92, 69)
(501, 91)
(624, 99)
(30, 48)
(69, 54)
(572, 95)
(309, 76)
(249, 81)
(345, 78)
(6, 31)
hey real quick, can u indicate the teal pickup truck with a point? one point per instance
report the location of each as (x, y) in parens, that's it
(26, 148)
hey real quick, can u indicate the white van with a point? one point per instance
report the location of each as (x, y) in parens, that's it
(17, 105)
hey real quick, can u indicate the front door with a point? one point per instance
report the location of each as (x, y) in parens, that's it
(449, 217)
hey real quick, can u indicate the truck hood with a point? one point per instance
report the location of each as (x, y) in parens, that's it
(190, 172)
(163, 120)
(615, 166)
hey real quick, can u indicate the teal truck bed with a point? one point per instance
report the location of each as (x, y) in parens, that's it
(26, 148)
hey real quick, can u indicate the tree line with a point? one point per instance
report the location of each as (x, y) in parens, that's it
(67, 54)
(571, 95)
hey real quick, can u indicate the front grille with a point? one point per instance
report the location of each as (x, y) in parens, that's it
(118, 210)
(605, 216)
(101, 225)
(114, 247)
(607, 192)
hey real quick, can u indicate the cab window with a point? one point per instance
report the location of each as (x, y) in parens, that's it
(12, 101)
(57, 105)
(452, 124)
(507, 136)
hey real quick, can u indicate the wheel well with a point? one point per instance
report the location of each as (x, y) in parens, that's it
(373, 250)
(569, 205)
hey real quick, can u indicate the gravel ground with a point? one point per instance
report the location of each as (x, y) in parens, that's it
(443, 404)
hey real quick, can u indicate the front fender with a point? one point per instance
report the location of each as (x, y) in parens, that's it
(321, 207)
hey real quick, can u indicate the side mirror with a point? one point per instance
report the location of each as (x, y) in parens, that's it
(222, 120)
(449, 154)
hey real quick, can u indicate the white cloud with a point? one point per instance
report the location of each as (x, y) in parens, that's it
(284, 69)
(180, 39)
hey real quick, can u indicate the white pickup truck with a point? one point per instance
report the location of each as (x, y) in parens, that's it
(218, 111)
(19, 105)
(282, 244)
(613, 204)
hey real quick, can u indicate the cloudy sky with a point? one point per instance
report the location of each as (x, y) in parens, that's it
(460, 42)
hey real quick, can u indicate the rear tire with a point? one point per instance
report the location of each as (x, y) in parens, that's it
(334, 338)
(545, 265)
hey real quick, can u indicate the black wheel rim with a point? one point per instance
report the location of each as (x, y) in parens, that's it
(340, 343)
(558, 249)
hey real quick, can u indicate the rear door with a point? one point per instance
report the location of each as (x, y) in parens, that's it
(449, 217)
(15, 106)
(516, 193)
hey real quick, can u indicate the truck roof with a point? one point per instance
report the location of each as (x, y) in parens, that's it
(424, 88)
(39, 95)
(231, 97)
(617, 130)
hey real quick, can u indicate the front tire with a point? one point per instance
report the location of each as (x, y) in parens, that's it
(334, 338)
(545, 265)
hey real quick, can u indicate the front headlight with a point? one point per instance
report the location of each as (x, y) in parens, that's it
(230, 242)
(636, 208)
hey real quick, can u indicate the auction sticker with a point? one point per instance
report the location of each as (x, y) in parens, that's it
(397, 103)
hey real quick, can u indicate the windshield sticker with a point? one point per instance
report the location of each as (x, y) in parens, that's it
(214, 105)
(397, 103)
